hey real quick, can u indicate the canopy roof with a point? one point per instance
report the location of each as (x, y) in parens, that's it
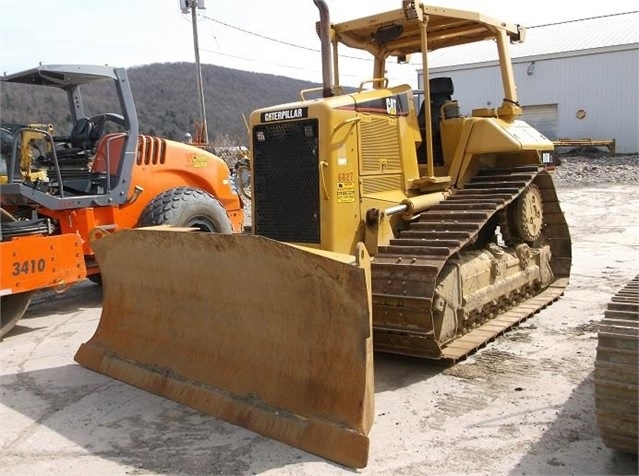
(397, 32)
(62, 76)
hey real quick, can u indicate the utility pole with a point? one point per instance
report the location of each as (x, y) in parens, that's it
(185, 5)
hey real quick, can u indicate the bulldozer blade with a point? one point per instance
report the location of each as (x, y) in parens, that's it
(268, 336)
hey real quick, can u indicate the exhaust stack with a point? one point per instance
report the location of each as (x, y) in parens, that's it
(324, 31)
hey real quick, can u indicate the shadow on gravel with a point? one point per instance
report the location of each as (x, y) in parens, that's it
(129, 426)
(121, 423)
(48, 302)
(81, 295)
(393, 372)
(575, 424)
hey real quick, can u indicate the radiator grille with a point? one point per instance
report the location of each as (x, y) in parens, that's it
(380, 145)
(382, 183)
(151, 150)
(286, 188)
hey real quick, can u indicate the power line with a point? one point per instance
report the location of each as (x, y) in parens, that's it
(252, 60)
(293, 45)
(260, 36)
(274, 40)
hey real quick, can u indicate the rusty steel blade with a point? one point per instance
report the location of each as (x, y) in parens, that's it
(267, 336)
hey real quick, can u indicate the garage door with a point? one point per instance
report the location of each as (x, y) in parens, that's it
(543, 118)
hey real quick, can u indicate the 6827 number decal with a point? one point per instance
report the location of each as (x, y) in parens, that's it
(29, 266)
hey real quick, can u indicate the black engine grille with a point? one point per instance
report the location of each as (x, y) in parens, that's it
(286, 188)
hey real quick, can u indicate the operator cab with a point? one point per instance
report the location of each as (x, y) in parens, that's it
(442, 107)
(43, 167)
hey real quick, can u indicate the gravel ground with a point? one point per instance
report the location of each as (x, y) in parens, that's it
(522, 405)
(596, 169)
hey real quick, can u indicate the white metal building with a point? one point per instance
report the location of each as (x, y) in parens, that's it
(575, 80)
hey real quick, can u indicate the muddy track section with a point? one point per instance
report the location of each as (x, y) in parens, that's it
(405, 273)
(616, 371)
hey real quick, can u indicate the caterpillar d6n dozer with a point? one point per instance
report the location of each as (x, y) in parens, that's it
(375, 226)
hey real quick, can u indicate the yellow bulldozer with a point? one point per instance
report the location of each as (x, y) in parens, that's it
(378, 224)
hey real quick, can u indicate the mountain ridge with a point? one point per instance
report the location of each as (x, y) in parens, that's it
(166, 99)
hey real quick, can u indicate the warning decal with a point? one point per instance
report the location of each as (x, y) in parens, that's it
(345, 192)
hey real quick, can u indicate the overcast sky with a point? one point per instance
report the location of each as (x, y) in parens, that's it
(232, 33)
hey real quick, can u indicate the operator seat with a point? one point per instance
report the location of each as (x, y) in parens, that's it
(74, 157)
(441, 92)
(81, 139)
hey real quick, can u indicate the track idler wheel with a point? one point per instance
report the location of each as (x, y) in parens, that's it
(527, 217)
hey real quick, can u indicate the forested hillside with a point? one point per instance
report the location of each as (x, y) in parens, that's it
(166, 100)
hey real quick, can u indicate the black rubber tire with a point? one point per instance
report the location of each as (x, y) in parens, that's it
(12, 308)
(187, 206)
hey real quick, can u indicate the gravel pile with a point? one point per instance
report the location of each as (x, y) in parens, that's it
(596, 169)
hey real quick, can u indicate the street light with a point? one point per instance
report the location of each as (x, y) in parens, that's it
(185, 6)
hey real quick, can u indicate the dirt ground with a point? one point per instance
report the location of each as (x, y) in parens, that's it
(522, 405)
